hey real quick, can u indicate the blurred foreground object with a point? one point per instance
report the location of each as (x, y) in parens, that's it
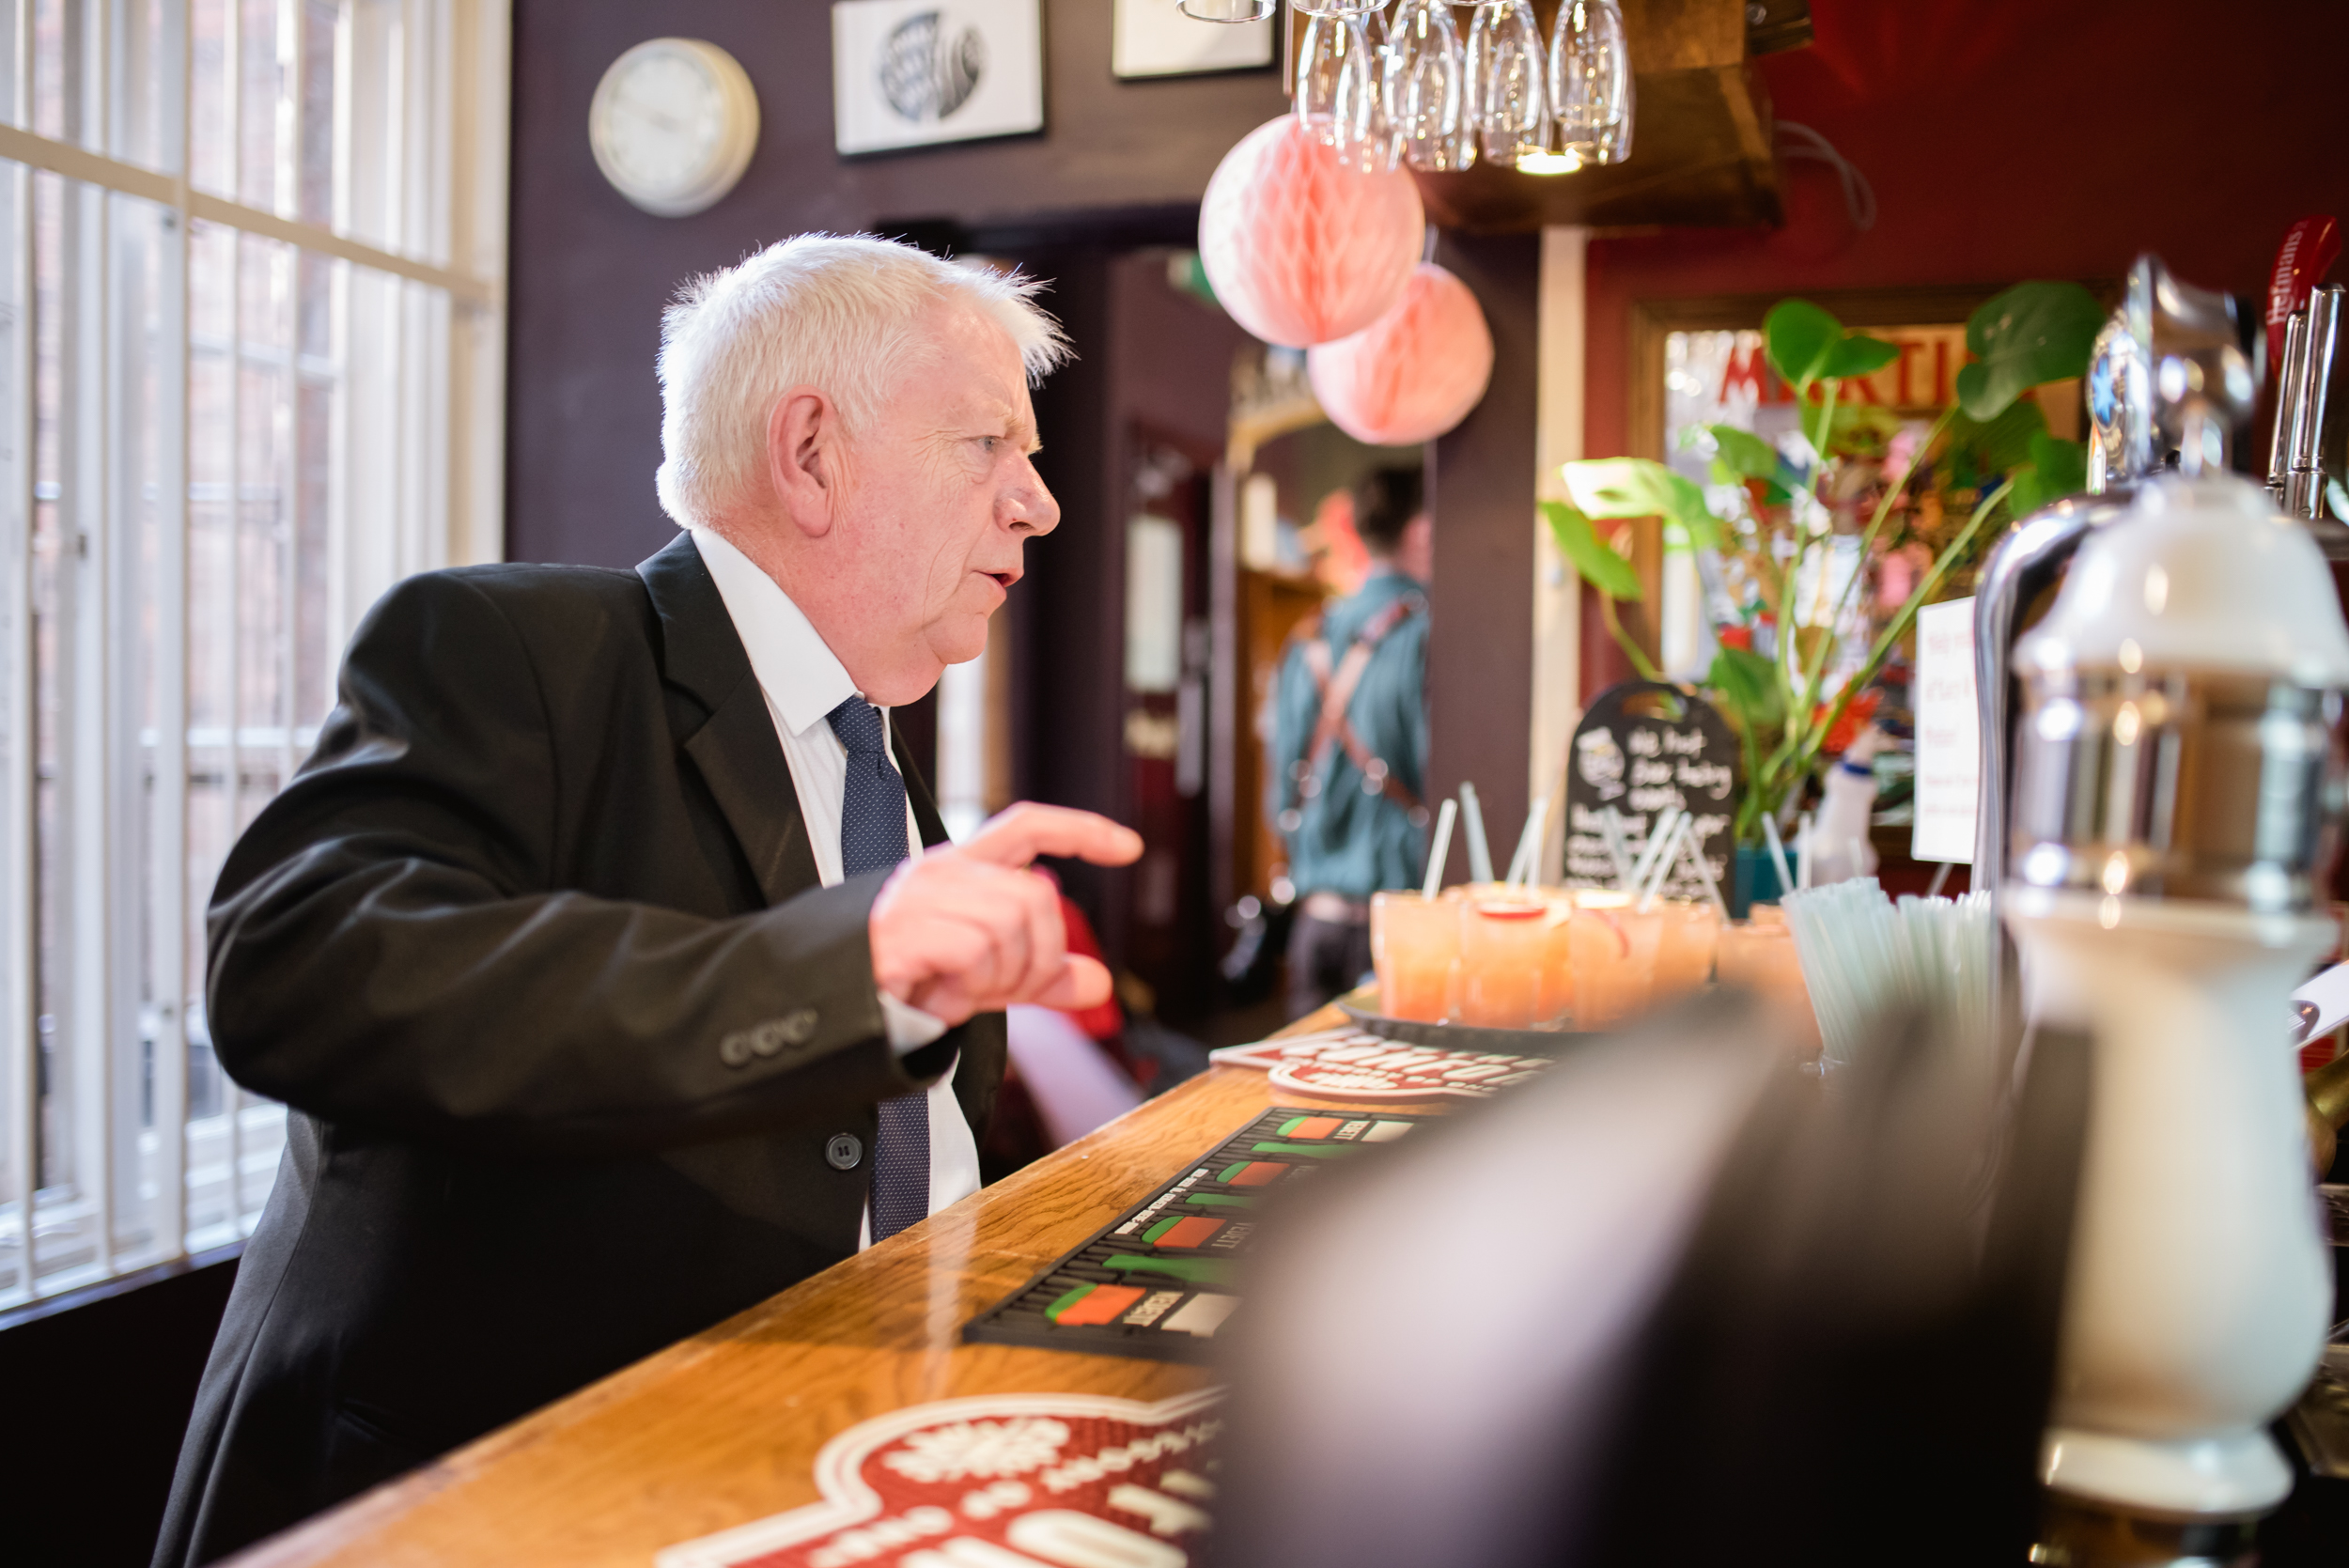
(1668, 1304)
(2172, 783)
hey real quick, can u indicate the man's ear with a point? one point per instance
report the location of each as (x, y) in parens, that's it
(803, 458)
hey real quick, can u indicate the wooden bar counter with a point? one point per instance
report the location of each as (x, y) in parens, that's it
(723, 1428)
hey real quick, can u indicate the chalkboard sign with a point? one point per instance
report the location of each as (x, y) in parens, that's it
(1642, 747)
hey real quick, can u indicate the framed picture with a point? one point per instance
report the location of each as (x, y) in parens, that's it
(918, 72)
(1152, 38)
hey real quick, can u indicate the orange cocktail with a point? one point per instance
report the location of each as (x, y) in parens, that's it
(1683, 951)
(1503, 933)
(1415, 947)
(1611, 946)
(1759, 954)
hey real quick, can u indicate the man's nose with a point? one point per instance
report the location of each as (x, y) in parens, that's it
(1032, 503)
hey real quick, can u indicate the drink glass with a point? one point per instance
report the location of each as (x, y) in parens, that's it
(1684, 953)
(1415, 948)
(1502, 936)
(1760, 955)
(1612, 948)
(1507, 72)
(1557, 995)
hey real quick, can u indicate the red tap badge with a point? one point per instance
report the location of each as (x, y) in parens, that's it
(1002, 1481)
(2306, 255)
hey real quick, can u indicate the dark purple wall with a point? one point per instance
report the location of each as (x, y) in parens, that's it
(1480, 491)
(589, 274)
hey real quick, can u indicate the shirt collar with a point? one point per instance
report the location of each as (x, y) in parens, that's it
(796, 668)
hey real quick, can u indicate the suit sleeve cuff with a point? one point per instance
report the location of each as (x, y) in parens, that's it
(910, 1029)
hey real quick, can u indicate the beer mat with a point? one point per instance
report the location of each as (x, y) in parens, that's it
(1158, 1282)
(1350, 1064)
(1027, 1478)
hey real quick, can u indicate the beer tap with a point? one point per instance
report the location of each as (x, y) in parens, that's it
(2172, 779)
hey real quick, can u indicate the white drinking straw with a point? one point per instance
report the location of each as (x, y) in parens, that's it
(1611, 829)
(1658, 833)
(1443, 846)
(1529, 843)
(1803, 851)
(1693, 852)
(1778, 854)
(1480, 854)
(1939, 878)
(1664, 863)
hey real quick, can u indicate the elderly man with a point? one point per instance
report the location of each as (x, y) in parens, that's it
(597, 953)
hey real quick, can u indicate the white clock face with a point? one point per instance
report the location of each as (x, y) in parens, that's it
(673, 125)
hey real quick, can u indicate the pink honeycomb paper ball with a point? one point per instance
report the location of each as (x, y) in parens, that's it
(1301, 248)
(1412, 374)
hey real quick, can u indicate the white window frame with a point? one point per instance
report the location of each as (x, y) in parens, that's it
(416, 481)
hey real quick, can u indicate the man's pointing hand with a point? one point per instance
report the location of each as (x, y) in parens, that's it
(967, 928)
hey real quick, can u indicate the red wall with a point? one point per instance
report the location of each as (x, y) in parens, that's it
(2008, 139)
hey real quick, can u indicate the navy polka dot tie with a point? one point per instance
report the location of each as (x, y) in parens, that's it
(873, 838)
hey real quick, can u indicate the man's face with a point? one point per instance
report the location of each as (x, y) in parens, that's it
(941, 495)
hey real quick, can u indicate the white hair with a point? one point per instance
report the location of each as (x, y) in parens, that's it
(843, 314)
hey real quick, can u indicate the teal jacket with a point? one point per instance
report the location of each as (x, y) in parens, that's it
(1347, 841)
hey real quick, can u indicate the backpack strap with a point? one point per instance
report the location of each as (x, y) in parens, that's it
(1333, 730)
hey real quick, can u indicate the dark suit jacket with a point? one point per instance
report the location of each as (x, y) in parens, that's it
(535, 951)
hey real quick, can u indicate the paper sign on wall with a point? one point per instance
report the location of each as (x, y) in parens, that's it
(1949, 733)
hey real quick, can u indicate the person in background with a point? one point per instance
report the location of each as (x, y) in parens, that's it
(1350, 742)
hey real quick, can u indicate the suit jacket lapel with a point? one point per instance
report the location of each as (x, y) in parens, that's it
(735, 748)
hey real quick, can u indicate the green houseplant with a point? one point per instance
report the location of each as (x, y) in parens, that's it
(1787, 672)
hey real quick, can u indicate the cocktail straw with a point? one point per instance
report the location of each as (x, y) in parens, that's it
(1521, 866)
(1778, 854)
(1664, 862)
(1443, 848)
(1480, 854)
(1803, 851)
(1693, 852)
(1862, 955)
(1658, 833)
(1611, 831)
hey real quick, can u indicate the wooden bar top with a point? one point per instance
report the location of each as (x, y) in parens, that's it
(723, 1428)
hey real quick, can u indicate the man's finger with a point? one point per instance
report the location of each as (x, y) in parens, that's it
(1015, 836)
(1083, 984)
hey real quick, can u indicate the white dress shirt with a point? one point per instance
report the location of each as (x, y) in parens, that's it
(804, 680)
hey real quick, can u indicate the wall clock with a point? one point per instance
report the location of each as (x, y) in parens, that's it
(673, 125)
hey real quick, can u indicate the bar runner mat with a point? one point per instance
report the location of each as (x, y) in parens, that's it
(1157, 1282)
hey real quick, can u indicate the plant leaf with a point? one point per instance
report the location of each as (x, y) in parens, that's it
(1749, 683)
(1742, 452)
(1799, 339)
(2034, 333)
(1640, 488)
(1590, 555)
(2057, 467)
(1859, 354)
(2002, 443)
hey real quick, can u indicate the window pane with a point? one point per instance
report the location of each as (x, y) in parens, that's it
(178, 629)
(208, 94)
(262, 85)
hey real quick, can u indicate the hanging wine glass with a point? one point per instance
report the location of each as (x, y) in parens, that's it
(1425, 87)
(1337, 86)
(1227, 10)
(1512, 107)
(1590, 82)
(1335, 8)
(1382, 148)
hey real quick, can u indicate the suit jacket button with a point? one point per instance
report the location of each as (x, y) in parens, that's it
(735, 1050)
(798, 1026)
(844, 1151)
(769, 1037)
